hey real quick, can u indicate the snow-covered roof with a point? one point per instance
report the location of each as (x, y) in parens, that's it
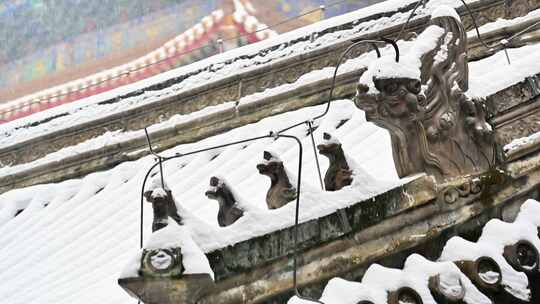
(73, 250)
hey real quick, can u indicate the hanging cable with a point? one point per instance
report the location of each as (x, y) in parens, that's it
(311, 130)
(394, 45)
(475, 25)
(356, 42)
(158, 157)
(296, 219)
(423, 2)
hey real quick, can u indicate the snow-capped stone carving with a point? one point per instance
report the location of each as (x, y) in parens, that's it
(229, 211)
(339, 173)
(281, 190)
(163, 205)
(162, 262)
(420, 100)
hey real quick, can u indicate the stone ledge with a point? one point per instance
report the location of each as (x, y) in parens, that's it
(408, 221)
(256, 252)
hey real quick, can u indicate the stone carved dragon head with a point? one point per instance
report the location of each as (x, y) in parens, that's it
(420, 100)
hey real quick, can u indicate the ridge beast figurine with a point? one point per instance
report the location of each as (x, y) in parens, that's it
(338, 174)
(281, 190)
(229, 211)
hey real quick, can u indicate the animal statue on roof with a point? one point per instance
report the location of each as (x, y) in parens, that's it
(229, 210)
(281, 190)
(338, 174)
(163, 205)
(420, 100)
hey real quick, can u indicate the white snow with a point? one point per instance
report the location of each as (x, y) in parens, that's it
(391, 279)
(529, 212)
(445, 11)
(522, 141)
(409, 63)
(418, 270)
(355, 292)
(496, 235)
(501, 23)
(449, 275)
(111, 138)
(493, 74)
(159, 193)
(331, 140)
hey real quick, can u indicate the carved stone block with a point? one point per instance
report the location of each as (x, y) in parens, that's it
(433, 126)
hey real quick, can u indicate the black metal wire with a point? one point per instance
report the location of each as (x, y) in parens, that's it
(410, 17)
(162, 159)
(475, 25)
(158, 157)
(296, 219)
(479, 36)
(298, 187)
(394, 45)
(523, 31)
(310, 126)
(356, 42)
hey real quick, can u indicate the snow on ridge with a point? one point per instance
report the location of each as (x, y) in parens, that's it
(484, 80)
(356, 292)
(422, 268)
(501, 23)
(88, 109)
(393, 279)
(517, 143)
(445, 11)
